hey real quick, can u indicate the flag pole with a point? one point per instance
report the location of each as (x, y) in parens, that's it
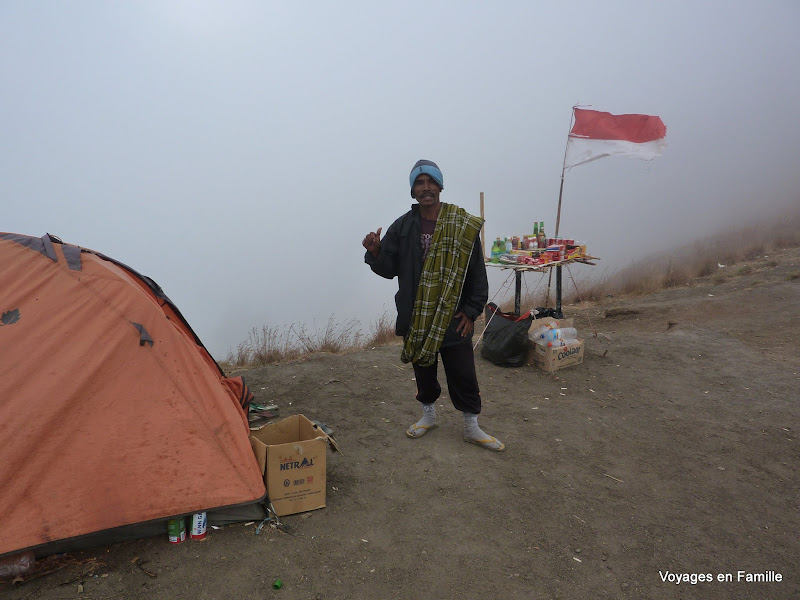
(560, 193)
(563, 168)
(558, 224)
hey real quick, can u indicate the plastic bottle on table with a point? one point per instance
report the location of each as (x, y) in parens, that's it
(496, 250)
(18, 564)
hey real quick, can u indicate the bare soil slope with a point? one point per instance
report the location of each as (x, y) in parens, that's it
(672, 449)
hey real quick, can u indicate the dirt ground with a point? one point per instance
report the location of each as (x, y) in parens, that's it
(672, 450)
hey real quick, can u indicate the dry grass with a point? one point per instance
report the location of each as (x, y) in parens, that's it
(335, 337)
(719, 278)
(597, 292)
(381, 332)
(265, 346)
(269, 345)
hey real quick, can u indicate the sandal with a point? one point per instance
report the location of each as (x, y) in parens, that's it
(416, 431)
(490, 443)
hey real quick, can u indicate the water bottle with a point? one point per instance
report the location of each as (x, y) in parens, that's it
(534, 335)
(18, 564)
(563, 333)
(496, 251)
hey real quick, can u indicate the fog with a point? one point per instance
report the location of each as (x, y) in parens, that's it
(237, 152)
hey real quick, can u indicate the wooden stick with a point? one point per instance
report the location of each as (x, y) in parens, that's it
(483, 228)
(614, 478)
(483, 249)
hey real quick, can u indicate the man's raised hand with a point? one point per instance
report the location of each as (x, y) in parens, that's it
(373, 242)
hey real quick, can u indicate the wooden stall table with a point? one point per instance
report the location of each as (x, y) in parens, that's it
(519, 269)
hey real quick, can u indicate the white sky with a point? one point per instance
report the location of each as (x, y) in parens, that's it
(237, 152)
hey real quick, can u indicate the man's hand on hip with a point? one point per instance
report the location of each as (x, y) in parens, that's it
(466, 325)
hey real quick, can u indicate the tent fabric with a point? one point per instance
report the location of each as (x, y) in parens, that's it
(112, 412)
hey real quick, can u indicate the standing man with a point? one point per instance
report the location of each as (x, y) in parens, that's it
(434, 250)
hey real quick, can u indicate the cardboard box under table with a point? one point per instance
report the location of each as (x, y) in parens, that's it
(292, 455)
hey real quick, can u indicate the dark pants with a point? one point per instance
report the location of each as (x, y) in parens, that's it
(462, 382)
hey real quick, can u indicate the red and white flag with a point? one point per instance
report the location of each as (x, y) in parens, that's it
(597, 134)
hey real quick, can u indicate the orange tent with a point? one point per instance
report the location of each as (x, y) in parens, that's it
(112, 412)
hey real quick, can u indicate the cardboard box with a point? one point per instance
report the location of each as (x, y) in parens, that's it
(292, 456)
(560, 357)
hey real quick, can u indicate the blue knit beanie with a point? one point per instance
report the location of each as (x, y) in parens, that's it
(428, 167)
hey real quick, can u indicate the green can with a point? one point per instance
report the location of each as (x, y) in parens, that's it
(176, 530)
(278, 584)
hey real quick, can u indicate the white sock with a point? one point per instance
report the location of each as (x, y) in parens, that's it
(428, 415)
(471, 429)
(474, 433)
(428, 421)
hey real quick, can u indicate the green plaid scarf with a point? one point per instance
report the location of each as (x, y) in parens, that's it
(441, 283)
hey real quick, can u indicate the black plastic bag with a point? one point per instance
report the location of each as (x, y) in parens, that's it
(505, 340)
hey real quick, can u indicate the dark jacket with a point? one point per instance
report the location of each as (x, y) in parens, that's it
(401, 257)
